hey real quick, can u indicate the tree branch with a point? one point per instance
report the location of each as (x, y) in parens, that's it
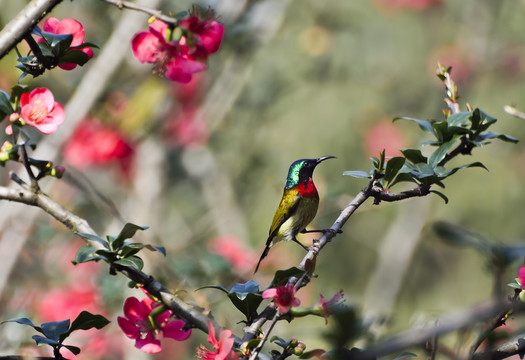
(121, 4)
(23, 23)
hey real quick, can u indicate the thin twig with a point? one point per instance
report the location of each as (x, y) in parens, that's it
(258, 349)
(153, 12)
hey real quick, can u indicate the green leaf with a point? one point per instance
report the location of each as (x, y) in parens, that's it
(74, 56)
(87, 253)
(281, 276)
(454, 170)
(515, 286)
(74, 349)
(246, 297)
(127, 232)
(60, 42)
(130, 249)
(95, 238)
(55, 329)
(460, 236)
(132, 261)
(17, 91)
(23, 321)
(414, 156)
(392, 168)
(490, 135)
(441, 195)
(160, 249)
(425, 125)
(85, 321)
(5, 105)
(440, 153)
(357, 174)
(44, 340)
(460, 118)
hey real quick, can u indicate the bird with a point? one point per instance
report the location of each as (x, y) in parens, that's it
(298, 205)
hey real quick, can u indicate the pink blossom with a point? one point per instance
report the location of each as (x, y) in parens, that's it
(384, 136)
(521, 276)
(171, 58)
(39, 109)
(67, 26)
(326, 307)
(223, 346)
(68, 302)
(94, 143)
(137, 324)
(206, 35)
(233, 251)
(283, 297)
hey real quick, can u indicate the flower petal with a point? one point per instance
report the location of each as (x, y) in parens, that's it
(145, 47)
(129, 328)
(149, 344)
(174, 330)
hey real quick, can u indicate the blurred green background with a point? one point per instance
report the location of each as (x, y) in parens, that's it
(293, 79)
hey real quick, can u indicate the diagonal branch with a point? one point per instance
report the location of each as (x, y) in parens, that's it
(23, 23)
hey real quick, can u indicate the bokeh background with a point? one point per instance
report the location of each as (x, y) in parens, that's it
(204, 164)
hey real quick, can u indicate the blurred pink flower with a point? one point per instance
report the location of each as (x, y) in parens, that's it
(67, 26)
(68, 302)
(283, 297)
(137, 325)
(233, 250)
(40, 110)
(186, 128)
(171, 58)
(223, 346)
(94, 143)
(384, 136)
(463, 64)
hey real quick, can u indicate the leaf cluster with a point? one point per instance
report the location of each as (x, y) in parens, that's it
(54, 333)
(116, 250)
(458, 134)
(54, 50)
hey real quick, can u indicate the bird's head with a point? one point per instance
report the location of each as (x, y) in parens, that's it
(302, 170)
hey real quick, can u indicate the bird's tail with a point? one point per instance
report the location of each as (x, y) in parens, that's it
(265, 252)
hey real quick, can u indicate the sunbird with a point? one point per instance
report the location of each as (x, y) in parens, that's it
(298, 205)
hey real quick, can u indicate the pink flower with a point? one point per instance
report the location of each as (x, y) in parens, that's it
(93, 143)
(223, 346)
(138, 325)
(283, 297)
(68, 302)
(233, 251)
(39, 109)
(67, 26)
(186, 128)
(326, 307)
(206, 35)
(384, 135)
(171, 58)
(521, 276)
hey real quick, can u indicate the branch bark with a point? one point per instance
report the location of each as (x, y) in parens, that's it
(23, 23)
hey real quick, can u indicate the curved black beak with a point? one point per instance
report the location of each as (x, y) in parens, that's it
(323, 158)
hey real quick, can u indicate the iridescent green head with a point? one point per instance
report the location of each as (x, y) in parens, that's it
(302, 170)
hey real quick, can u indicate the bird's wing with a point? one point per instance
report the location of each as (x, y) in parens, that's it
(287, 207)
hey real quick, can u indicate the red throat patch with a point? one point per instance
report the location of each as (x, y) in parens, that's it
(308, 190)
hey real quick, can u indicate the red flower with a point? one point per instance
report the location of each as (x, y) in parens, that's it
(92, 143)
(224, 346)
(67, 26)
(171, 58)
(283, 297)
(39, 109)
(138, 325)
